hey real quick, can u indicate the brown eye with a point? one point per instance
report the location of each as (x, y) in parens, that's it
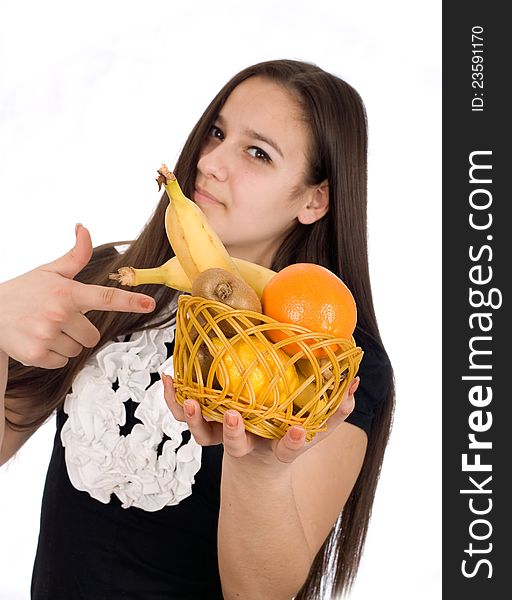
(216, 132)
(259, 154)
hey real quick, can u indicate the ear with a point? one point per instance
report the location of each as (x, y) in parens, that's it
(316, 205)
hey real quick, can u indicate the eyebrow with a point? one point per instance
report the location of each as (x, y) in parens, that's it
(263, 138)
(257, 136)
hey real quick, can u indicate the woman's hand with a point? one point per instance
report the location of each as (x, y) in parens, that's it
(42, 321)
(238, 442)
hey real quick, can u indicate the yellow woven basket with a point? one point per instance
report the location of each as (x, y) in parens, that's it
(273, 412)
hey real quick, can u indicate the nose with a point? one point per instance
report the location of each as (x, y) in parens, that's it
(213, 163)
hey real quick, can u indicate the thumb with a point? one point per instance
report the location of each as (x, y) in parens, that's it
(75, 260)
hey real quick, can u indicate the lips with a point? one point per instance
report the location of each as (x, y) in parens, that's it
(201, 196)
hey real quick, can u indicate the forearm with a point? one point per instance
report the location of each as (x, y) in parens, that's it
(10, 440)
(263, 552)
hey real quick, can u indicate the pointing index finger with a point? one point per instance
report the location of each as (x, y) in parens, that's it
(96, 297)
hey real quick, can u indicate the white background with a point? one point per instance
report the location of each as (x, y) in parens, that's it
(94, 96)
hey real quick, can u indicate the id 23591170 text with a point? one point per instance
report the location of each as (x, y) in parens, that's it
(477, 68)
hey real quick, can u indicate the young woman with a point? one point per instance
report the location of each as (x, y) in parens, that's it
(146, 502)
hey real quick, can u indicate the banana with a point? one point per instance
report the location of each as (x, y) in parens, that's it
(255, 275)
(173, 275)
(170, 274)
(196, 245)
(194, 242)
(307, 395)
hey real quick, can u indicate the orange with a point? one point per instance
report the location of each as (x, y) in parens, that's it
(258, 378)
(312, 296)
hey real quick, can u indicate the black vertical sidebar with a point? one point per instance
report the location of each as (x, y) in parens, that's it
(477, 328)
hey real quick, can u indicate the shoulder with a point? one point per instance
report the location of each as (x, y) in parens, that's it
(376, 365)
(376, 373)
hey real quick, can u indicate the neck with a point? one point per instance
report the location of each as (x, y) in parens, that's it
(260, 255)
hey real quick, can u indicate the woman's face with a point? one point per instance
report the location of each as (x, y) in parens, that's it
(251, 171)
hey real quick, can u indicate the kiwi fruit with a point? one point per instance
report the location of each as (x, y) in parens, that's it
(222, 286)
(205, 361)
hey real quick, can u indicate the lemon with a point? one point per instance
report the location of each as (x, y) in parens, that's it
(258, 378)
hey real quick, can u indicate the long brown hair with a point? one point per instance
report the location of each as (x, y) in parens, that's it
(336, 119)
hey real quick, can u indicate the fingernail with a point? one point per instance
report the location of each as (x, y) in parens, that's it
(189, 407)
(296, 434)
(147, 303)
(354, 386)
(231, 419)
(77, 227)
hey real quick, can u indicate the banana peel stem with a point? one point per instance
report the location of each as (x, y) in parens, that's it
(169, 181)
(125, 276)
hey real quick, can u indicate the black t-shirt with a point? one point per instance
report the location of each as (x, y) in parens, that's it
(105, 550)
(375, 377)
